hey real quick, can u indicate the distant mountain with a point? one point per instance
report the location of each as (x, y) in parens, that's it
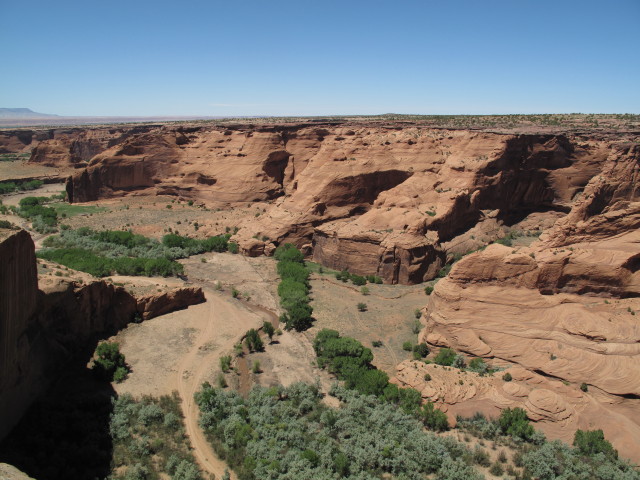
(23, 113)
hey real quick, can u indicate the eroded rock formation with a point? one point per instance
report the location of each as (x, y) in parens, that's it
(560, 313)
(376, 199)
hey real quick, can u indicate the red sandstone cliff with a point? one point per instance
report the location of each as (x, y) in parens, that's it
(40, 329)
(559, 313)
(377, 199)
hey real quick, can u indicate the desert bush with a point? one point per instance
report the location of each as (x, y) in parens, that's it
(592, 442)
(459, 361)
(253, 341)
(362, 307)
(445, 356)
(496, 469)
(148, 439)
(421, 349)
(433, 418)
(293, 288)
(514, 422)
(225, 363)
(268, 329)
(289, 433)
(109, 360)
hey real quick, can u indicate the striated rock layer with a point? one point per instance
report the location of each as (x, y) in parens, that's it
(376, 199)
(560, 313)
(41, 329)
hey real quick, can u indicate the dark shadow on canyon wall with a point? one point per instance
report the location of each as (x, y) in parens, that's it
(65, 433)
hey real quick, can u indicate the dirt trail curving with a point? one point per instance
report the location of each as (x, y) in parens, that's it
(189, 376)
(193, 370)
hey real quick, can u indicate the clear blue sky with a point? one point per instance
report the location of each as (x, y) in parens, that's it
(140, 57)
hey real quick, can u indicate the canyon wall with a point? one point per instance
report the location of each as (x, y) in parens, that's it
(389, 200)
(561, 315)
(41, 329)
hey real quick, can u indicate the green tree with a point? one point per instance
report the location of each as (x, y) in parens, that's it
(514, 422)
(269, 330)
(592, 442)
(109, 361)
(445, 356)
(433, 418)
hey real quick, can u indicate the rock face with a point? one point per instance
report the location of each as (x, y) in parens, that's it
(561, 313)
(42, 328)
(155, 305)
(377, 199)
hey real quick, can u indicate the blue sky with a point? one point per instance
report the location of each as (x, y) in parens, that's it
(140, 57)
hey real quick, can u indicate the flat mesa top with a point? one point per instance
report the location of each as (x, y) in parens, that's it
(538, 123)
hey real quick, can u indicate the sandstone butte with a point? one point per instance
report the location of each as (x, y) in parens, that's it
(399, 201)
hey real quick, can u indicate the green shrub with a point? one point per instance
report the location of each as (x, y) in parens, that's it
(421, 349)
(362, 307)
(268, 329)
(408, 346)
(110, 361)
(445, 357)
(459, 361)
(481, 457)
(584, 387)
(507, 377)
(592, 442)
(256, 367)
(478, 365)
(225, 363)
(496, 469)
(253, 341)
(288, 253)
(433, 418)
(514, 422)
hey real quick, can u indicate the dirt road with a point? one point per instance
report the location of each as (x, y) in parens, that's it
(180, 351)
(190, 375)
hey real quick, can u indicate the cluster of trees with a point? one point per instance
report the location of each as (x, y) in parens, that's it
(253, 341)
(44, 219)
(449, 358)
(149, 440)
(358, 280)
(289, 433)
(349, 360)
(9, 187)
(293, 288)
(99, 266)
(592, 456)
(110, 364)
(193, 246)
(123, 252)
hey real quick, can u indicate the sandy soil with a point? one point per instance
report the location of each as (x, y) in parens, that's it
(19, 169)
(180, 350)
(389, 316)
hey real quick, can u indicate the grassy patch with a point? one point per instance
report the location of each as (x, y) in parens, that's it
(70, 210)
(13, 157)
